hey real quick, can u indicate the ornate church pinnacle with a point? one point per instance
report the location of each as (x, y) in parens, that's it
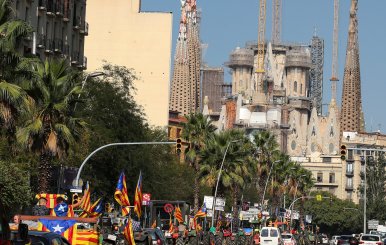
(351, 115)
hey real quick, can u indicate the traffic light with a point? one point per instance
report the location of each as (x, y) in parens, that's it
(107, 207)
(75, 198)
(343, 152)
(178, 146)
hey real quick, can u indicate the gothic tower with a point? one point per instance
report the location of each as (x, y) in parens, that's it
(185, 86)
(352, 116)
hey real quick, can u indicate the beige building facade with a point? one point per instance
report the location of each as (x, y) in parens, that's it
(123, 35)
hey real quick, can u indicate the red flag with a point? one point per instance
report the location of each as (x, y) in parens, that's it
(138, 197)
(121, 196)
(128, 232)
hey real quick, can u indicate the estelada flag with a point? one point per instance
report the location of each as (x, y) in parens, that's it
(86, 203)
(128, 232)
(178, 214)
(138, 197)
(121, 196)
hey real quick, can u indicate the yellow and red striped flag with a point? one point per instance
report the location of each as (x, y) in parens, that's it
(138, 197)
(85, 204)
(95, 210)
(128, 232)
(51, 198)
(154, 225)
(178, 214)
(171, 225)
(121, 196)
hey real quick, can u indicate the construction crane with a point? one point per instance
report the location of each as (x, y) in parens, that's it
(334, 78)
(261, 45)
(276, 21)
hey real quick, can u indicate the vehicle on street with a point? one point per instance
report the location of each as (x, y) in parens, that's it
(288, 239)
(334, 240)
(344, 239)
(270, 236)
(150, 236)
(323, 239)
(370, 239)
(46, 238)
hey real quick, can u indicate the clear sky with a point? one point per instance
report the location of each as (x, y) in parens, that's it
(226, 24)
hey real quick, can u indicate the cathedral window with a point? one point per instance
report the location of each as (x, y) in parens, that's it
(301, 88)
(313, 131)
(295, 86)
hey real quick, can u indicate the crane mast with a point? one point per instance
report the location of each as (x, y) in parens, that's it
(261, 45)
(276, 19)
(334, 78)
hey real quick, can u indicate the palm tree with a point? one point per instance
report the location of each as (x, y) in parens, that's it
(196, 131)
(237, 168)
(267, 152)
(49, 128)
(12, 32)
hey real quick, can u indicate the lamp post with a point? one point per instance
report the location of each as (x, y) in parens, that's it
(296, 190)
(92, 74)
(266, 183)
(218, 178)
(364, 194)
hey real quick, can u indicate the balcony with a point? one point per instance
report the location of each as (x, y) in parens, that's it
(83, 65)
(66, 49)
(50, 8)
(66, 12)
(49, 48)
(58, 45)
(42, 5)
(349, 172)
(349, 187)
(75, 58)
(41, 41)
(84, 28)
(77, 23)
(59, 8)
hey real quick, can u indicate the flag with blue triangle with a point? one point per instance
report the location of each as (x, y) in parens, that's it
(57, 226)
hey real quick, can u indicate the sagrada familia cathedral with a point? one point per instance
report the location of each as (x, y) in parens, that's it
(286, 99)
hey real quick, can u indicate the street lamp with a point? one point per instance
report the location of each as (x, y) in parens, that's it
(296, 190)
(266, 183)
(218, 178)
(92, 74)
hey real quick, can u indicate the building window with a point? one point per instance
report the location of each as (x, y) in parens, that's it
(327, 159)
(350, 169)
(349, 182)
(349, 195)
(332, 178)
(178, 132)
(301, 88)
(350, 154)
(295, 86)
(319, 177)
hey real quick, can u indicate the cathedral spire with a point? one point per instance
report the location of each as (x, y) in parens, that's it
(351, 115)
(185, 86)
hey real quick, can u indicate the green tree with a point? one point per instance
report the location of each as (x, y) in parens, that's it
(12, 32)
(237, 169)
(112, 116)
(196, 131)
(376, 195)
(50, 128)
(266, 152)
(336, 216)
(15, 189)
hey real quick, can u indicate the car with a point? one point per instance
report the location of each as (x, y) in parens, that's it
(270, 236)
(344, 239)
(370, 239)
(323, 238)
(288, 239)
(46, 238)
(334, 240)
(150, 236)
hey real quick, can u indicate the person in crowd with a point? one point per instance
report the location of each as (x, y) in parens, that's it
(40, 209)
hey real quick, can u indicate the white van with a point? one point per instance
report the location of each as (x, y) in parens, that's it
(270, 236)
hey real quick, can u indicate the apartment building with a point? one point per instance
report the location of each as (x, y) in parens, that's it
(59, 28)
